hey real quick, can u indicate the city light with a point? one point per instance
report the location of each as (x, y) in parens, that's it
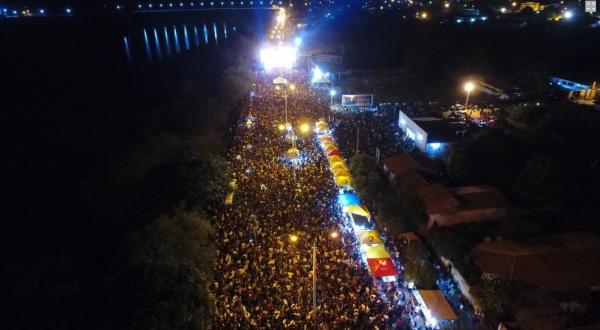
(304, 128)
(292, 87)
(503, 10)
(281, 127)
(334, 235)
(332, 92)
(469, 87)
(293, 238)
(278, 57)
(68, 10)
(42, 11)
(281, 17)
(297, 42)
(568, 14)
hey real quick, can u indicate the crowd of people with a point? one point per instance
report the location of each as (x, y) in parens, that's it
(281, 211)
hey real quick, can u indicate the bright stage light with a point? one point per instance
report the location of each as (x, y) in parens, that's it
(568, 14)
(278, 57)
(297, 42)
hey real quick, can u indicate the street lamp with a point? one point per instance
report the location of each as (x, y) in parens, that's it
(293, 238)
(304, 128)
(469, 87)
(334, 234)
(332, 93)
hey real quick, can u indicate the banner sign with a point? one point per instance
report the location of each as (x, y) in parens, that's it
(359, 100)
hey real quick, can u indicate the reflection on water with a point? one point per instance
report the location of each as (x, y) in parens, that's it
(205, 34)
(127, 50)
(176, 37)
(147, 44)
(186, 38)
(167, 42)
(157, 44)
(154, 48)
(216, 34)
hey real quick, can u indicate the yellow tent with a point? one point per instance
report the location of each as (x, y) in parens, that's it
(338, 165)
(360, 210)
(369, 237)
(334, 159)
(341, 172)
(343, 180)
(324, 138)
(229, 199)
(376, 251)
(329, 144)
(331, 147)
(322, 126)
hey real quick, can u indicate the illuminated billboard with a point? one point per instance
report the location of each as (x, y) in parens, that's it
(358, 100)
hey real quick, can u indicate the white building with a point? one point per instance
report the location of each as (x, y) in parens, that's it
(431, 135)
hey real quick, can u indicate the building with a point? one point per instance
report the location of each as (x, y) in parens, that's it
(405, 171)
(560, 262)
(452, 206)
(433, 136)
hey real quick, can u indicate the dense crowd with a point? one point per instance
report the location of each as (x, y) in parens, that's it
(264, 277)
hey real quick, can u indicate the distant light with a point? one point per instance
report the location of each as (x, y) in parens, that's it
(423, 15)
(333, 92)
(278, 57)
(181, 4)
(293, 238)
(42, 11)
(304, 128)
(483, 18)
(139, 6)
(118, 7)
(435, 145)
(514, 4)
(334, 235)
(469, 86)
(446, 5)
(472, 19)
(149, 5)
(170, 5)
(68, 10)
(297, 41)
(14, 12)
(281, 127)
(459, 20)
(503, 10)
(568, 14)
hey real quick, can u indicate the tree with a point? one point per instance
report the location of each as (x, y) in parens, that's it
(419, 268)
(493, 296)
(190, 180)
(368, 176)
(164, 275)
(542, 182)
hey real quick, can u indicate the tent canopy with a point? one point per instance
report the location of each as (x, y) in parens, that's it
(362, 222)
(375, 251)
(341, 171)
(324, 138)
(331, 147)
(334, 152)
(332, 159)
(436, 303)
(349, 198)
(369, 237)
(358, 209)
(343, 180)
(337, 165)
(382, 267)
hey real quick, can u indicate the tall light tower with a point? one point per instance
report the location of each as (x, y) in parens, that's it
(469, 87)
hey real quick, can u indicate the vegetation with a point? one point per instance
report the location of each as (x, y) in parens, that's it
(418, 268)
(397, 209)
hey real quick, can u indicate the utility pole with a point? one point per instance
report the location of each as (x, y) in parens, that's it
(357, 137)
(314, 296)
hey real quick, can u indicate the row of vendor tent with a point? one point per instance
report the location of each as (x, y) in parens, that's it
(372, 248)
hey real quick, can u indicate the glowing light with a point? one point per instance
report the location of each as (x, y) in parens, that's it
(446, 5)
(332, 92)
(297, 42)
(292, 87)
(280, 57)
(435, 145)
(334, 235)
(68, 10)
(281, 127)
(42, 11)
(293, 238)
(304, 128)
(514, 4)
(469, 87)
(281, 17)
(568, 14)
(503, 10)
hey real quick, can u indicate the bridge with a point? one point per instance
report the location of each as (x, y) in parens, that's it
(200, 6)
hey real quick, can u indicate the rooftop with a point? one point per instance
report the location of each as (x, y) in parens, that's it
(438, 129)
(558, 262)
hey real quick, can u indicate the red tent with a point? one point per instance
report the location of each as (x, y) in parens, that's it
(382, 267)
(334, 152)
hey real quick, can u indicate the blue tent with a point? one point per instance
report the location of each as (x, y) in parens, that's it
(349, 198)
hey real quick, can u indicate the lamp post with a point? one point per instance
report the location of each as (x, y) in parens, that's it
(469, 87)
(332, 93)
